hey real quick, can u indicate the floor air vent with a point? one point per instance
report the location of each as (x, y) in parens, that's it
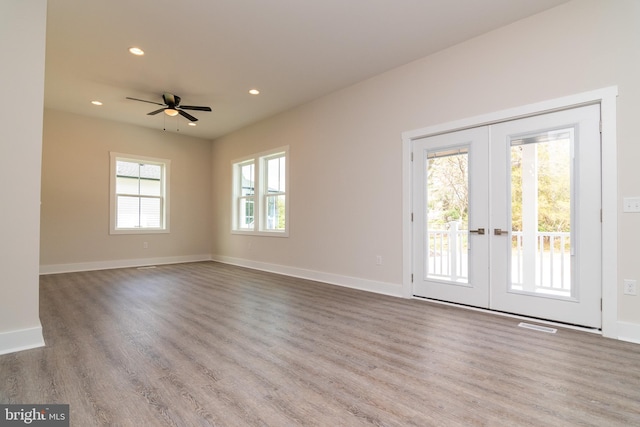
(538, 328)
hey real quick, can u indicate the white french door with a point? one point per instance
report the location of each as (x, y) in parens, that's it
(451, 217)
(507, 216)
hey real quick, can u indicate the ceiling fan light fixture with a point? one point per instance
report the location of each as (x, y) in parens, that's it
(191, 124)
(171, 107)
(96, 102)
(136, 51)
(254, 91)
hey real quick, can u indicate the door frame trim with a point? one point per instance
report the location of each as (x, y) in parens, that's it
(606, 97)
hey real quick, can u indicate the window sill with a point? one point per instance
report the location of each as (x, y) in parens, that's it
(261, 233)
(140, 231)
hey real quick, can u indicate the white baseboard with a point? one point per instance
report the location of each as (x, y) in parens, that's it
(121, 263)
(23, 339)
(384, 288)
(628, 331)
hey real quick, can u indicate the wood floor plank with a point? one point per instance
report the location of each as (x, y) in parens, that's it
(209, 344)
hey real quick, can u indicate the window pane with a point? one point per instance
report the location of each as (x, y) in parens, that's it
(124, 168)
(150, 212)
(247, 184)
(127, 185)
(149, 187)
(127, 212)
(276, 175)
(138, 212)
(275, 212)
(246, 213)
(138, 178)
(150, 171)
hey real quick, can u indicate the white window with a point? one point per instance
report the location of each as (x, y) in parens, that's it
(260, 188)
(139, 200)
(246, 189)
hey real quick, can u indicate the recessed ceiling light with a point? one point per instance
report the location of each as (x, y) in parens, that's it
(136, 51)
(254, 91)
(191, 124)
(96, 102)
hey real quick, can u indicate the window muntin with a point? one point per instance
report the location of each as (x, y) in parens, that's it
(139, 196)
(260, 194)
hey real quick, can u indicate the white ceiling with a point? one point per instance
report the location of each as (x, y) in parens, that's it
(212, 52)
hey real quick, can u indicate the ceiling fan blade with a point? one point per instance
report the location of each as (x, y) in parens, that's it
(143, 100)
(195, 107)
(187, 116)
(170, 99)
(156, 112)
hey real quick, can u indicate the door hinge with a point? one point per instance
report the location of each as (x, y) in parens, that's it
(412, 156)
(411, 216)
(411, 277)
(600, 215)
(600, 304)
(600, 126)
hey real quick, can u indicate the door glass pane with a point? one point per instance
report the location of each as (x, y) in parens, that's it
(541, 175)
(447, 236)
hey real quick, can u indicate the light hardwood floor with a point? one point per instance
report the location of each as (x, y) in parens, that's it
(211, 344)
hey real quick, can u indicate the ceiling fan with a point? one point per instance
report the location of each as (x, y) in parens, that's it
(172, 107)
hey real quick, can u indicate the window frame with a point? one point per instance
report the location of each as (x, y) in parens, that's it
(165, 165)
(260, 193)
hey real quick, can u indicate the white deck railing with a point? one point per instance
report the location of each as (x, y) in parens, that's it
(552, 263)
(447, 259)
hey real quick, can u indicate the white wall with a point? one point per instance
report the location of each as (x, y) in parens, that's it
(22, 47)
(346, 185)
(75, 195)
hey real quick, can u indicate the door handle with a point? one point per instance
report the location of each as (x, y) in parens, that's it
(478, 231)
(499, 232)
